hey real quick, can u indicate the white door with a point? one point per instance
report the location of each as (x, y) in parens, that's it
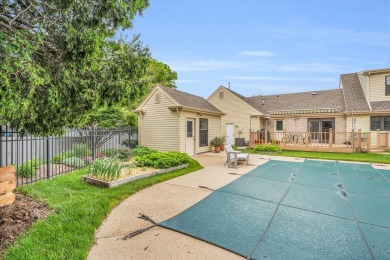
(230, 134)
(190, 140)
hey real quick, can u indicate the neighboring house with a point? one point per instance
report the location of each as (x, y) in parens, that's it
(363, 96)
(172, 120)
(241, 115)
(367, 96)
(315, 111)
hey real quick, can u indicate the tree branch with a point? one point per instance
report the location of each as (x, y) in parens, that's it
(16, 17)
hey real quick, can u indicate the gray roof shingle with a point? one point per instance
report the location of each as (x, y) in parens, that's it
(353, 93)
(325, 99)
(380, 105)
(189, 100)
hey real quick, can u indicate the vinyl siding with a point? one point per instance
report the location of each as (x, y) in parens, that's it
(363, 82)
(160, 125)
(214, 124)
(363, 123)
(237, 112)
(377, 87)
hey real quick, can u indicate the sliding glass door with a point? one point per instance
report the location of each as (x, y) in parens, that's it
(319, 129)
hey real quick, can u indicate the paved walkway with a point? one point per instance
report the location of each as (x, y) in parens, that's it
(160, 202)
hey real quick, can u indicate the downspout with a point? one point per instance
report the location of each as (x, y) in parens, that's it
(179, 125)
(140, 128)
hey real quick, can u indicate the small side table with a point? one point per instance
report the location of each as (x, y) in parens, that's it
(235, 158)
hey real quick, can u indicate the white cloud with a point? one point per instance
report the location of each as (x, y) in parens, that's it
(335, 35)
(203, 65)
(307, 67)
(262, 78)
(258, 53)
(187, 81)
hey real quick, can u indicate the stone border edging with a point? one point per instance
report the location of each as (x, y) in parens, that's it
(107, 184)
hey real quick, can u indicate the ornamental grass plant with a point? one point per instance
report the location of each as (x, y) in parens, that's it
(107, 169)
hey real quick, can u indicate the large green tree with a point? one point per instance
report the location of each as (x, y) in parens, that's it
(121, 115)
(60, 60)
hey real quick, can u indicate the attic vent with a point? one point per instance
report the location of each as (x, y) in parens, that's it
(314, 93)
(221, 93)
(158, 98)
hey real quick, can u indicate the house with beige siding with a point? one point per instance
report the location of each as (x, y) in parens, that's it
(362, 102)
(172, 120)
(367, 96)
(317, 111)
(357, 111)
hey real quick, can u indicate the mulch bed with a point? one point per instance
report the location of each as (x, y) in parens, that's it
(17, 218)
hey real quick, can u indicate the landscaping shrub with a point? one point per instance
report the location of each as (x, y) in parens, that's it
(107, 169)
(27, 169)
(81, 150)
(268, 148)
(61, 156)
(87, 159)
(142, 150)
(120, 152)
(130, 143)
(78, 150)
(74, 162)
(162, 160)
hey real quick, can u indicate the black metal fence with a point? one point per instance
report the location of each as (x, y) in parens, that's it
(37, 158)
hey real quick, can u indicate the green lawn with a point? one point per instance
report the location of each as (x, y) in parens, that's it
(355, 157)
(78, 209)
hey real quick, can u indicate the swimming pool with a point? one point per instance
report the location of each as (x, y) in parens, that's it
(297, 210)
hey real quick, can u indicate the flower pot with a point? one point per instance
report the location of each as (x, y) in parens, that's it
(222, 148)
(7, 185)
(217, 149)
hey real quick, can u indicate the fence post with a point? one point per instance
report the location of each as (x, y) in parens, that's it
(307, 138)
(48, 157)
(119, 138)
(330, 137)
(93, 143)
(359, 138)
(378, 138)
(129, 136)
(368, 142)
(284, 137)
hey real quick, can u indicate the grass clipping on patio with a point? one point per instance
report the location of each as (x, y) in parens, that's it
(78, 209)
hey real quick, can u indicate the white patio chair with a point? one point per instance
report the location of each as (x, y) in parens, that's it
(240, 156)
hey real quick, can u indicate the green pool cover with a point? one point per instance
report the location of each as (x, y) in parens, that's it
(294, 210)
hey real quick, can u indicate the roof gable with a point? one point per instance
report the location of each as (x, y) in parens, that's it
(377, 71)
(190, 101)
(238, 96)
(355, 99)
(140, 106)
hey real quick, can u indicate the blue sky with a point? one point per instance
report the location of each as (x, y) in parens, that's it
(266, 46)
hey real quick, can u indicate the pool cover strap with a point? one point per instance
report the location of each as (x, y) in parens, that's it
(139, 231)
